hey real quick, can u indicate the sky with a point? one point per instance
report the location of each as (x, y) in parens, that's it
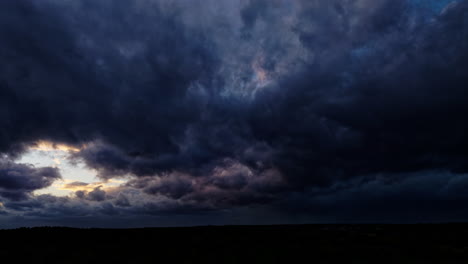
(217, 112)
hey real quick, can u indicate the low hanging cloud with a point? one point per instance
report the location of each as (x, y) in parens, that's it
(218, 105)
(18, 181)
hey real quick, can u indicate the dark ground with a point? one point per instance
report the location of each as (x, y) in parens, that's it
(240, 244)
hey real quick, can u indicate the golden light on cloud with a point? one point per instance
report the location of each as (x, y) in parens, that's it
(76, 176)
(73, 186)
(50, 146)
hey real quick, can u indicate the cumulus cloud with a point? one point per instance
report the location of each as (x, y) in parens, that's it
(97, 195)
(17, 181)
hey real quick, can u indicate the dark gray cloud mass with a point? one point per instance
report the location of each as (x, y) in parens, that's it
(233, 109)
(17, 181)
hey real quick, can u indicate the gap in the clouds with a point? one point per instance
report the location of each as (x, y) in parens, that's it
(75, 174)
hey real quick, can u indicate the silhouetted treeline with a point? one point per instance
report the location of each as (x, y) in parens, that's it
(240, 244)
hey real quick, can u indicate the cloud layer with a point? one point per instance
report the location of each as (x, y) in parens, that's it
(245, 106)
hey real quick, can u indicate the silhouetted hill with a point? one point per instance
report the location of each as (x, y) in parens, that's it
(240, 244)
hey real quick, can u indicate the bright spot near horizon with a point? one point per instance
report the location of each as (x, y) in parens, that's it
(50, 147)
(47, 154)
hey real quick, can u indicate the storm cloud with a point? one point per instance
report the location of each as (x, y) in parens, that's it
(209, 107)
(17, 181)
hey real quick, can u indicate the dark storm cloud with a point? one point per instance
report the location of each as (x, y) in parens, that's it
(211, 105)
(428, 196)
(97, 195)
(122, 200)
(17, 181)
(74, 67)
(229, 184)
(397, 107)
